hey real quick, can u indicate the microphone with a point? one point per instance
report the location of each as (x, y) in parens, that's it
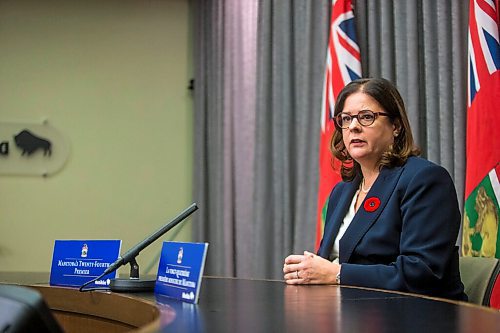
(134, 284)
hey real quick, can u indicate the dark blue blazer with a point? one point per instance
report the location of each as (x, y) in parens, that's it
(407, 243)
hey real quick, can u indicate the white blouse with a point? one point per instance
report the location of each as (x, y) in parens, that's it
(343, 227)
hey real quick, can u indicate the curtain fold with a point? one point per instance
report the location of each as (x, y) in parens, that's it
(259, 70)
(224, 93)
(292, 45)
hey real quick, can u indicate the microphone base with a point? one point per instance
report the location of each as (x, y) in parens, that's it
(131, 285)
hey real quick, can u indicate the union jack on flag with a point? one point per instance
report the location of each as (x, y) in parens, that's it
(481, 235)
(343, 64)
(483, 43)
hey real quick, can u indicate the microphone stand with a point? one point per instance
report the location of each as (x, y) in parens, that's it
(134, 283)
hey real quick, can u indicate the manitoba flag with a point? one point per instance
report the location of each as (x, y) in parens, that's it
(343, 64)
(481, 237)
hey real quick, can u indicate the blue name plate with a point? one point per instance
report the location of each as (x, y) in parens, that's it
(75, 262)
(180, 270)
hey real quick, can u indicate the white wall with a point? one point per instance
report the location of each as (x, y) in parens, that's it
(111, 76)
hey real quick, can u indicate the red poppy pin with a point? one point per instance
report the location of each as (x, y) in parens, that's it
(371, 204)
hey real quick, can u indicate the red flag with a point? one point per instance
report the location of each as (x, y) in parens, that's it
(343, 64)
(482, 189)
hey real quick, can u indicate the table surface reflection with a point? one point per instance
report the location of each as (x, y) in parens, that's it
(229, 305)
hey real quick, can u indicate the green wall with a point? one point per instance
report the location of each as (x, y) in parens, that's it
(112, 77)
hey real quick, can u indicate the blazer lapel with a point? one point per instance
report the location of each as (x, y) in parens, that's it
(363, 220)
(339, 209)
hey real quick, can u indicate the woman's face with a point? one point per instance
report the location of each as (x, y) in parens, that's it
(366, 144)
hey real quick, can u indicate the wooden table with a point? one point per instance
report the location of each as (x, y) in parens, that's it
(230, 305)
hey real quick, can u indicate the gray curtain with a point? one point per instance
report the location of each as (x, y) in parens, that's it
(258, 83)
(292, 52)
(224, 131)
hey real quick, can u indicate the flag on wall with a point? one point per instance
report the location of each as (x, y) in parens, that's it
(343, 64)
(481, 237)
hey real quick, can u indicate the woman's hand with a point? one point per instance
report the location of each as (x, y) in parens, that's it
(309, 269)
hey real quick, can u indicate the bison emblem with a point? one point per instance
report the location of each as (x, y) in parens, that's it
(30, 143)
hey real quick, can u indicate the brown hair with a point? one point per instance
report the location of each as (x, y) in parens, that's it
(386, 94)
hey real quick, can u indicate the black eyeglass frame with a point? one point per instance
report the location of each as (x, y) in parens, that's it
(338, 118)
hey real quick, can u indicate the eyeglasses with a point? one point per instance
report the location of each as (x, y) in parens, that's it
(364, 117)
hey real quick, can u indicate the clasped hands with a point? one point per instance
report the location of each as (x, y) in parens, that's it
(309, 269)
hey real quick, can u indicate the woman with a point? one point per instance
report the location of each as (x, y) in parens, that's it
(393, 221)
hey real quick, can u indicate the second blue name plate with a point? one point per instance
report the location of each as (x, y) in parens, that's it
(180, 270)
(75, 262)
